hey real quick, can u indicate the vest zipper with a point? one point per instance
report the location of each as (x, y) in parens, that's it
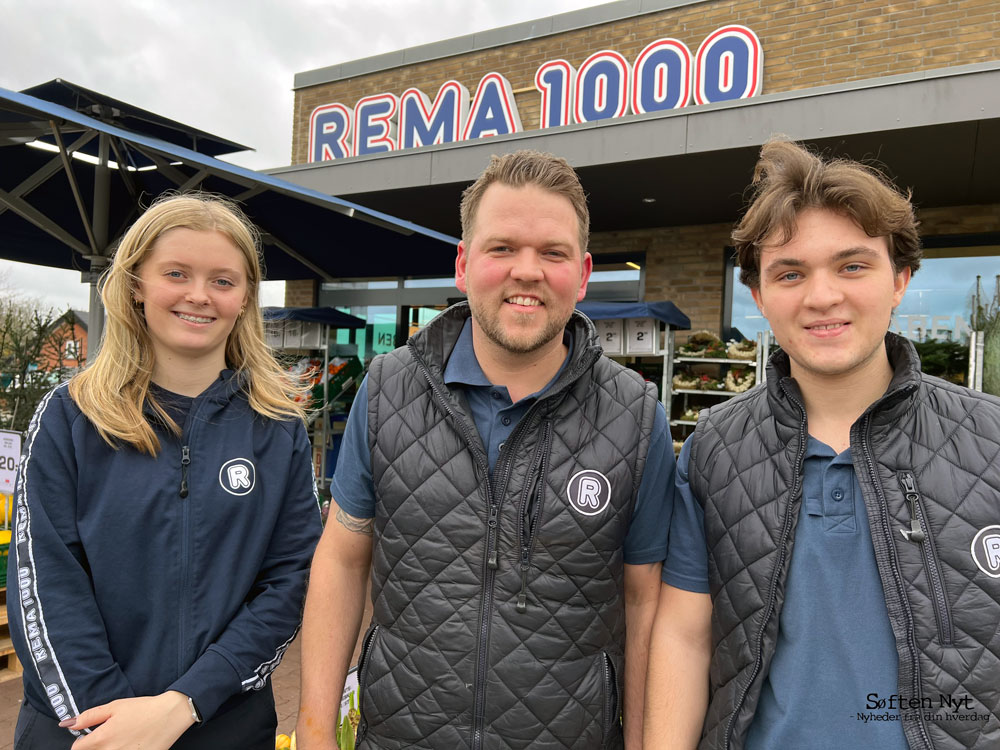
(363, 661)
(489, 572)
(610, 697)
(786, 527)
(920, 533)
(897, 577)
(529, 512)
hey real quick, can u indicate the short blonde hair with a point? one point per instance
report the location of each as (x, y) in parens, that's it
(111, 391)
(525, 167)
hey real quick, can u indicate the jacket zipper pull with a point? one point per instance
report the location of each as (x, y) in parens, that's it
(522, 597)
(914, 533)
(185, 461)
(491, 560)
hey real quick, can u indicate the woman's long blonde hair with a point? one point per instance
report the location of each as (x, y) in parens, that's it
(113, 389)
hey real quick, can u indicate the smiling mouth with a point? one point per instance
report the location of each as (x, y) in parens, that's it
(524, 301)
(826, 327)
(193, 318)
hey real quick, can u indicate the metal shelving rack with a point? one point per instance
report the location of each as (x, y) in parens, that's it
(764, 344)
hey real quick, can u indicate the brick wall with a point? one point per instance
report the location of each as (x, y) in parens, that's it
(683, 265)
(301, 293)
(806, 44)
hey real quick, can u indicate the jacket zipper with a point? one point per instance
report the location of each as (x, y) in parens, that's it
(489, 574)
(526, 527)
(366, 648)
(786, 525)
(905, 603)
(920, 533)
(185, 551)
(185, 462)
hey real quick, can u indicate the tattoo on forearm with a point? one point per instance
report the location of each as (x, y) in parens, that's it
(357, 525)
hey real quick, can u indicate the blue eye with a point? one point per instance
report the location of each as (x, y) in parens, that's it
(789, 276)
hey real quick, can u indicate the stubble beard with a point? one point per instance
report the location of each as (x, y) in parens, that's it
(494, 330)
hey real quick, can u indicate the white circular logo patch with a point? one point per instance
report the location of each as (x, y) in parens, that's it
(589, 492)
(237, 476)
(986, 550)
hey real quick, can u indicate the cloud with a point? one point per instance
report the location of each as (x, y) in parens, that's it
(225, 67)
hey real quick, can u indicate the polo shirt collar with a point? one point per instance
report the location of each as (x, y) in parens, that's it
(463, 367)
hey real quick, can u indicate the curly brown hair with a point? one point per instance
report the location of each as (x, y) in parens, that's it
(788, 178)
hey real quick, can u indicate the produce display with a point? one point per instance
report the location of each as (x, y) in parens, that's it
(338, 372)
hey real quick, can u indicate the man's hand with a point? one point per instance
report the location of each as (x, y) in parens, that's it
(680, 649)
(149, 723)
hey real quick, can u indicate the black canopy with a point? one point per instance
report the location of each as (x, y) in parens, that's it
(61, 210)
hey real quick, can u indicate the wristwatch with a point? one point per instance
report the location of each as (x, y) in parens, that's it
(194, 710)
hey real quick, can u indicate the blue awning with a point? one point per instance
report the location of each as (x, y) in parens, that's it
(665, 311)
(47, 210)
(330, 316)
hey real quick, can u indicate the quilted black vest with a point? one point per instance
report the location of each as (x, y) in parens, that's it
(498, 603)
(927, 457)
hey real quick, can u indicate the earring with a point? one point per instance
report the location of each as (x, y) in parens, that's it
(242, 310)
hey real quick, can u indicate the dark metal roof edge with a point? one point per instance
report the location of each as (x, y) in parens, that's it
(483, 40)
(26, 103)
(139, 113)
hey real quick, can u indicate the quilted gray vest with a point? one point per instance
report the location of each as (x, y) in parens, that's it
(927, 457)
(498, 603)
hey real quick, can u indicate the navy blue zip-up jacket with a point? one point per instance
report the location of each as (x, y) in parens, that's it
(130, 574)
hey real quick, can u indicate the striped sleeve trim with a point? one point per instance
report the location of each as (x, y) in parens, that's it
(43, 655)
(258, 679)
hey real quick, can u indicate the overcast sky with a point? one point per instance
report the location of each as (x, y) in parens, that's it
(222, 66)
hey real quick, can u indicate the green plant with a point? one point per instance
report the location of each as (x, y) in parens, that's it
(944, 359)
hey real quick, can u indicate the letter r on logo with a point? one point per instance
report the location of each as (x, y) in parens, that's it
(991, 544)
(590, 493)
(239, 477)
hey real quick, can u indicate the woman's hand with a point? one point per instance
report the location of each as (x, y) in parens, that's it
(151, 723)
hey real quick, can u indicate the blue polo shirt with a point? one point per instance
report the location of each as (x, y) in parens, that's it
(496, 417)
(835, 644)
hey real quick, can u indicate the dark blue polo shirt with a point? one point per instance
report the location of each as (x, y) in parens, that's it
(835, 644)
(496, 417)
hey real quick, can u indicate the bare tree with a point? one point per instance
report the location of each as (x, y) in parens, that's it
(32, 357)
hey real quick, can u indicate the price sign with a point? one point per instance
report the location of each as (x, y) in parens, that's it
(10, 454)
(642, 336)
(610, 333)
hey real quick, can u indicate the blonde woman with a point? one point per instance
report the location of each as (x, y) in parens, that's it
(166, 511)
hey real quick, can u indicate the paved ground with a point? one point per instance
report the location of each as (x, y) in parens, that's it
(285, 680)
